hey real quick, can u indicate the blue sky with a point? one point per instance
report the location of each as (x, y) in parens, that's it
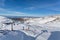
(29, 7)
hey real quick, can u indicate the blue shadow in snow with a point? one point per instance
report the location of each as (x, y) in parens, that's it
(16, 35)
(55, 36)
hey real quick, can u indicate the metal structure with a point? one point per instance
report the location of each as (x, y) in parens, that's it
(8, 23)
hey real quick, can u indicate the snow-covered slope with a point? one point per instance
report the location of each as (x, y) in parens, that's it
(38, 28)
(44, 20)
(4, 20)
(49, 23)
(14, 35)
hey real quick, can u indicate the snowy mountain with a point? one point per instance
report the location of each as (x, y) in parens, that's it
(49, 20)
(44, 20)
(37, 28)
(5, 19)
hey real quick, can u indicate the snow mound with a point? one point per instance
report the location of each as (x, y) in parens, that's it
(4, 19)
(16, 35)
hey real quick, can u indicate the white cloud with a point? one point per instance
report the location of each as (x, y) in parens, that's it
(2, 9)
(47, 5)
(44, 5)
(54, 7)
(30, 8)
(6, 12)
(37, 6)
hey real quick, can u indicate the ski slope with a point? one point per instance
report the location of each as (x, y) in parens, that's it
(37, 28)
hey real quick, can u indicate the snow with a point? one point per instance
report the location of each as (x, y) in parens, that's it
(16, 35)
(31, 29)
(39, 20)
(4, 19)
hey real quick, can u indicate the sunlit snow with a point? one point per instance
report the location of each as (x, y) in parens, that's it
(31, 29)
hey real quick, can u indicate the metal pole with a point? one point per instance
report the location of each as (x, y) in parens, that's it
(12, 27)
